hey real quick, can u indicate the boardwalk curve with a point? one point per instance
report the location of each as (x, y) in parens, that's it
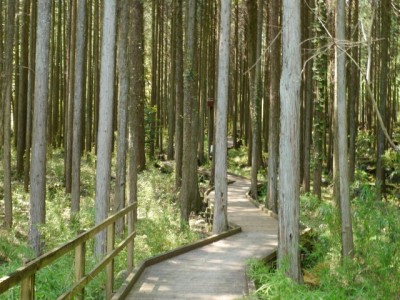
(215, 271)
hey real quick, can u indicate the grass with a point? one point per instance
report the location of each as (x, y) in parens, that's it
(158, 227)
(373, 274)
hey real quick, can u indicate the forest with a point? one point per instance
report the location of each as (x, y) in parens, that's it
(107, 105)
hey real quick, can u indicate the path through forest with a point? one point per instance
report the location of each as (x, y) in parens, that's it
(215, 271)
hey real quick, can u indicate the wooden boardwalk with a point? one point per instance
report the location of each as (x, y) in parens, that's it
(215, 271)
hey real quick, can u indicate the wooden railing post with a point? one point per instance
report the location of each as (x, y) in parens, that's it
(80, 252)
(110, 266)
(28, 288)
(130, 245)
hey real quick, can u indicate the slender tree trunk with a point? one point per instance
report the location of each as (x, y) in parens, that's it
(340, 105)
(70, 104)
(38, 161)
(96, 69)
(320, 79)
(189, 194)
(273, 141)
(252, 42)
(179, 94)
(289, 147)
(220, 222)
(30, 90)
(89, 73)
(383, 94)
(308, 96)
(22, 91)
(172, 91)
(7, 112)
(122, 66)
(78, 99)
(1, 78)
(104, 140)
(354, 90)
(154, 62)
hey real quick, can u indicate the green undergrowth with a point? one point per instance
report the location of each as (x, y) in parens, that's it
(158, 227)
(373, 274)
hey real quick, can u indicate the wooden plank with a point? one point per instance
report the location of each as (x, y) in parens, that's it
(80, 252)
(135, 275)
(97, 269)
(28, 288)
(110, 265)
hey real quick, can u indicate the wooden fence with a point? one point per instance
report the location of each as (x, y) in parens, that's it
(26, 274)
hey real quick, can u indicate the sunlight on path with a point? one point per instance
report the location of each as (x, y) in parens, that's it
(215, 271)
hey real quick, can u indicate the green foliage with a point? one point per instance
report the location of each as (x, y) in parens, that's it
(373, 274)
(391, 159)
(237, 161)
(158, 227)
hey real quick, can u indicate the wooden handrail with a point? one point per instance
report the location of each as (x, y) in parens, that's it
(25, 274)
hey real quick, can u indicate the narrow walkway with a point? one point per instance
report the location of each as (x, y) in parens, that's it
(215, 271)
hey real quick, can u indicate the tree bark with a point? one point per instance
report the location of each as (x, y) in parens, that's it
(122, 68)
(68, 142)
(22, 91)
(7, 112)
(105, 127)
(341, 112)
(179, 94)
(220, 221)
(78, 99)
(383, 95)
(273, 140)
(189, 194)
(289, 146)
(30, 90)
(254, 70)
(38, 161)
(354, 90)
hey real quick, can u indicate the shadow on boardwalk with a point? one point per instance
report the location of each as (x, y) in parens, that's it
(215, 271)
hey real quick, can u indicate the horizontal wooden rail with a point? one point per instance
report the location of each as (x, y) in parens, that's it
(25, 275)
(97, 269)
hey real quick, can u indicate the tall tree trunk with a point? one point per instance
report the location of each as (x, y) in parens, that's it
(383, 94)
(254, 66)
(179, 94)
(89, 73)
(104, 140)
(289, 147)
(340, 105)
(308, 95)
(7, 112)
(122, 62)
(273, 140)
(154, 82)
(220, 222)
(1, 78)
(189, 194)
(320, 79)
(354, 89)
(38, 161)
(30, 90)
(78, 99)
(172, 91)
(69, 111)
(22, 91)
